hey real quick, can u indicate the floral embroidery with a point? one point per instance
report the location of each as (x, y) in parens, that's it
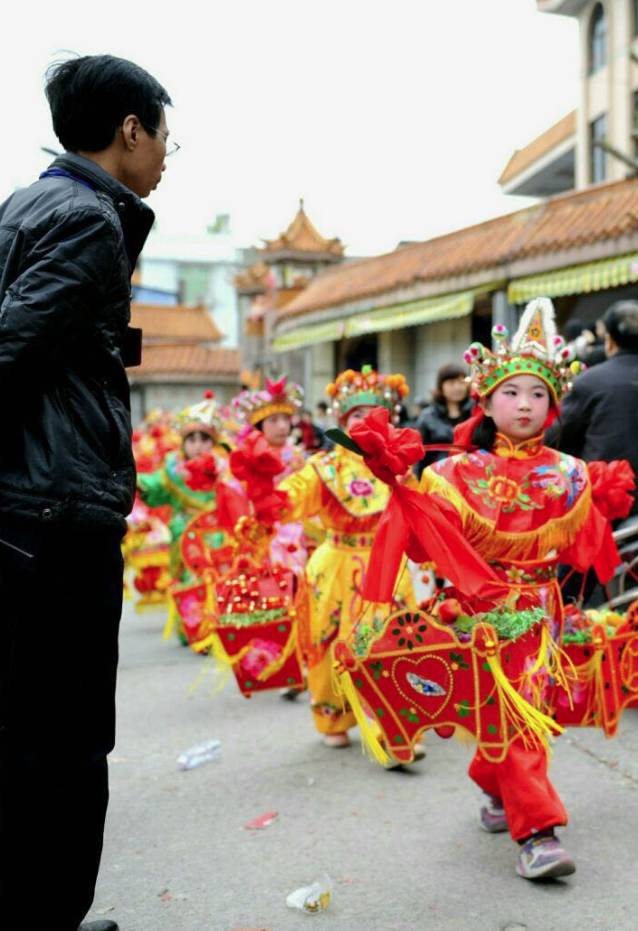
(497, 490)
(326, 710)
(565, 477)
(361, 488)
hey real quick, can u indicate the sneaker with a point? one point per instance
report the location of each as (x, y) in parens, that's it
(291, 694)
(336, 740)
(418, 754)
(543, 857)
(493, 818)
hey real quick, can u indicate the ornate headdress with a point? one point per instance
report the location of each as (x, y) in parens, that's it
(202, 417)
(366, 388)
(536, 349)
(276, 397)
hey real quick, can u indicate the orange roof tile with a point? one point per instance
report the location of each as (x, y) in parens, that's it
(522, 158)
(187, 360)
(254, 279)
(567, 221)
(302, 236)
(161, 323)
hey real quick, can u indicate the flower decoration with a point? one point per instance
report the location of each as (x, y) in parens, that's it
(366, 388)
(276, 397)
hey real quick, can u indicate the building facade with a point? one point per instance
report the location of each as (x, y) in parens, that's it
(181, 358)
(198, 269)
(418, 307)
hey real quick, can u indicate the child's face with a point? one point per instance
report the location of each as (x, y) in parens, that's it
(276, 428)
(197, 443)
(519, 406)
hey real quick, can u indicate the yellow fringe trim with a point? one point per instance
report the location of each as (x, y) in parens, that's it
(218, 662)
(369, 730)
(171, 620)
(518, 712)
(214, 644)
(557, 533)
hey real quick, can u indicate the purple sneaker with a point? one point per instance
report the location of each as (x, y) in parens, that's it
(544, 857)
(493, 818)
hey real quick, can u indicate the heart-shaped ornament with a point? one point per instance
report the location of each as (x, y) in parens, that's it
(426, 682)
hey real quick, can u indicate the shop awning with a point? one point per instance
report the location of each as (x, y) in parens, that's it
(414, 313)
(578, 279)
(392, 317)
(327, 332)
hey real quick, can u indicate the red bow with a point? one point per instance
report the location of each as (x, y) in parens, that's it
(611, 486)
(201, 473)
(387, 451)
(257, 465)
(413, 523)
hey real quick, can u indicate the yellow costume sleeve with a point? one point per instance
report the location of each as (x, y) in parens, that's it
(304, 494)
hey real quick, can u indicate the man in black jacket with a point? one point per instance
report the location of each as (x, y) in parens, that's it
(599, 417)
(68, 245)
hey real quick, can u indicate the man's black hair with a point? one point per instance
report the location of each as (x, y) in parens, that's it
(621, 322)
(91, 96)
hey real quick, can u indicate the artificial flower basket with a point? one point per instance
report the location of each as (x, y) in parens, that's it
(413, 673)
(252, 627)
(601, 671)
(208, 551)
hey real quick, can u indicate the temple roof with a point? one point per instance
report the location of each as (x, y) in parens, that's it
(302, 240)
(175, 324)
(253, 280)
(566, 225)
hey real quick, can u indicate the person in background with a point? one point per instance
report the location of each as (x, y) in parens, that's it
(451, 405)
(599, 417)
(307, 434)
(68, 246)
(587, 346)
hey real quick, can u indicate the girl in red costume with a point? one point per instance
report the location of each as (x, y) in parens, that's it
(497, 520)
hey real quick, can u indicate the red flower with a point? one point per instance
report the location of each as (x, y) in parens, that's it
(388, 451)
(276, 388)
(611, 485)
(201, 473)
(255, 461)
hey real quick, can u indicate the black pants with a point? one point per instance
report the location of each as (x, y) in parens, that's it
(59, 620)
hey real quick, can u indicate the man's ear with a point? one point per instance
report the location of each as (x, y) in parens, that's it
(130, 130)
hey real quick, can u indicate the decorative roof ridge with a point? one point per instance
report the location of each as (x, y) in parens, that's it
(289, 239)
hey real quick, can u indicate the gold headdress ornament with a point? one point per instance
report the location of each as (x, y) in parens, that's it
(367, 388)
(276, 397)
(202, 417)
(536, 349)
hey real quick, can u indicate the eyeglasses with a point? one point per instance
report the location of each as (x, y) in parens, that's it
(174, 147)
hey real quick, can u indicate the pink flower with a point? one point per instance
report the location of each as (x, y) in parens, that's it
(261, 654)
(361, 488)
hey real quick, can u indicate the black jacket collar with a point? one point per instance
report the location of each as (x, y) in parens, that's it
(136, 218)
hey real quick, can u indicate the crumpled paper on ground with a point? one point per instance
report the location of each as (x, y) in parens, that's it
(312, 899)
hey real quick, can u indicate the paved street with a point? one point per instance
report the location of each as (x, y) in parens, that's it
(403, 848)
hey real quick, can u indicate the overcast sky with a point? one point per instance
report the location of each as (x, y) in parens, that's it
(392, 118)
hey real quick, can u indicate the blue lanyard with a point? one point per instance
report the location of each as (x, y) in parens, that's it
(61, 173)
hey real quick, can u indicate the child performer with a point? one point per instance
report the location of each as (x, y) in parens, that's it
(523, 508)
(270, 410)
(200, 428)
(338, 487)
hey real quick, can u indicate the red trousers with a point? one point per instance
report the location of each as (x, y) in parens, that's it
(530, 801)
